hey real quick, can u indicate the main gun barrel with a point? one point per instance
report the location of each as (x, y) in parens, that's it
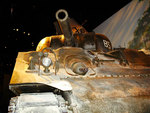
(63, 20)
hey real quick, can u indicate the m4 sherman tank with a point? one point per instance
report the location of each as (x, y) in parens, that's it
(77, 71)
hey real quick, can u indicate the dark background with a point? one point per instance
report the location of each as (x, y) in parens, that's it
(30, 21)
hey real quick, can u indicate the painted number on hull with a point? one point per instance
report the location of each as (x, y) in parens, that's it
(107, 44)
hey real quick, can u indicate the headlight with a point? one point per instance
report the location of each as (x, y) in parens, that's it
(46, 61)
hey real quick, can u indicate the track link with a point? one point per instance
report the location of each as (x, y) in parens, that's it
(38, 103)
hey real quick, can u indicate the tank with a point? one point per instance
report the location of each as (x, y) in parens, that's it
(77, 71)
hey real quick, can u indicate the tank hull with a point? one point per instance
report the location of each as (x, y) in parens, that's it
(109, 89)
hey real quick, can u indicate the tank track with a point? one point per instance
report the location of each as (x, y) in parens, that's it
(39, 103)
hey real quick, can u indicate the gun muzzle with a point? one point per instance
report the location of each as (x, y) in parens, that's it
(63, 20)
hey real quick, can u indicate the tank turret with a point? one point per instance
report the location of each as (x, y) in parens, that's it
(74, 35)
